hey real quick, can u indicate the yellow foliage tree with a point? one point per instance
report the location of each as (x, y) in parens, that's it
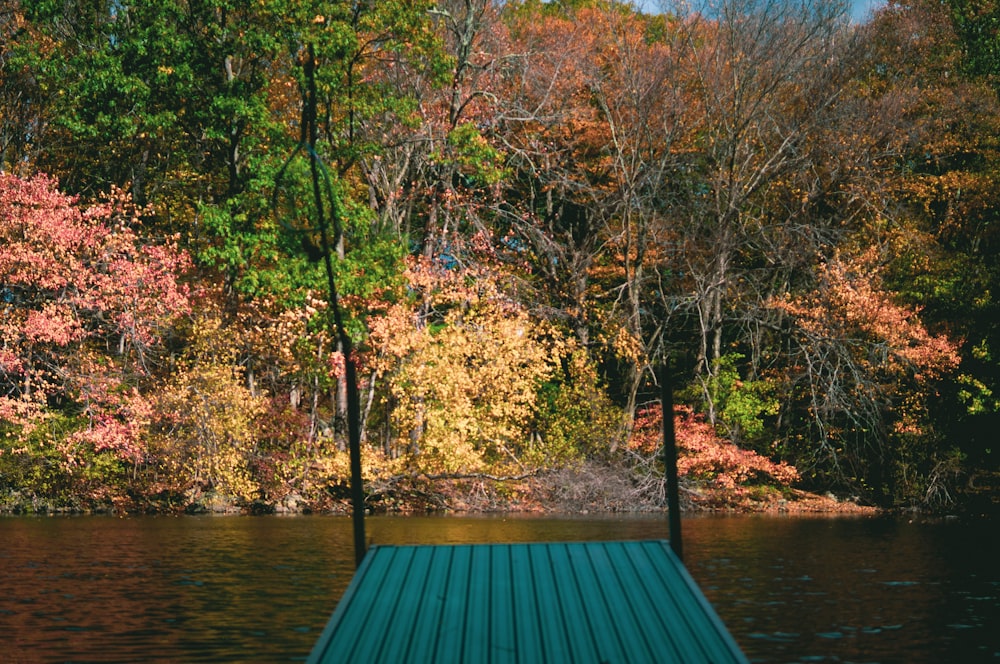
(462, 367)
(207, 432)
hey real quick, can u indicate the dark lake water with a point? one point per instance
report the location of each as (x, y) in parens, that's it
(260, 589)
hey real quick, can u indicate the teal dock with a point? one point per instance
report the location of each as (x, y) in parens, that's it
(592, 602)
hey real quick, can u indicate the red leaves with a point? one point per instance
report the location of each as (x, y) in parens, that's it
(851, 304)
(703, 455)
(72, 271)
(84, 302)
(118, 417)
(52, 324)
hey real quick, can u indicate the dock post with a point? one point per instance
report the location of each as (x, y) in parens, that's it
(670, 458)
(319, 178)
(354, 445)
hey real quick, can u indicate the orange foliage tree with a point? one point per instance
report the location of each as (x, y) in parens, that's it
(864, 368)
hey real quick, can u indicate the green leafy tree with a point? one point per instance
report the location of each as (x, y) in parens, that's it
(742, 407)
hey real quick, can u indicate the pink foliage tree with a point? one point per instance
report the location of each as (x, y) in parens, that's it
(85, 304)
(704, 456)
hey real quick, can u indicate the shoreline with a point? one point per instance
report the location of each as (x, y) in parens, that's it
(799, 503)
(579, 491)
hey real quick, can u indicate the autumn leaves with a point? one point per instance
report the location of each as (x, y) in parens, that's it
(539, 201)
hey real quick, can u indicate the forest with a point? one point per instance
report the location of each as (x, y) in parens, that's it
(526, 208)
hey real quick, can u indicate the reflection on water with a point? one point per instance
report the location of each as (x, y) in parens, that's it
(185, 589)
(240, 589)
(857, 590)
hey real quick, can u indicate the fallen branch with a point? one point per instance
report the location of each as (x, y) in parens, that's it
(475, 476)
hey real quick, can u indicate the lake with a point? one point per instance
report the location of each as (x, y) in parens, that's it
(260, 589)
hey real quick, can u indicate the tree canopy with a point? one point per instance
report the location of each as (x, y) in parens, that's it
(538, 203)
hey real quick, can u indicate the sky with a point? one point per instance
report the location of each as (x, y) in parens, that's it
(860, 9)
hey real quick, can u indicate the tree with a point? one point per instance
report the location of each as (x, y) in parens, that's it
(22, 99)
(866, 374)
(461, 376)
(153, 97)
(549, 216)
(638, 87)
(938, 196)
(762, 76)
(206, 428)
(87, 308)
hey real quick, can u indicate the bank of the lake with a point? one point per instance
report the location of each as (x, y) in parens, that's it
(223, 589)
(583, 489)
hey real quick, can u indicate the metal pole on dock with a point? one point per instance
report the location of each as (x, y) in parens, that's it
(354, 445)
(319, 177)
(670, 458)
